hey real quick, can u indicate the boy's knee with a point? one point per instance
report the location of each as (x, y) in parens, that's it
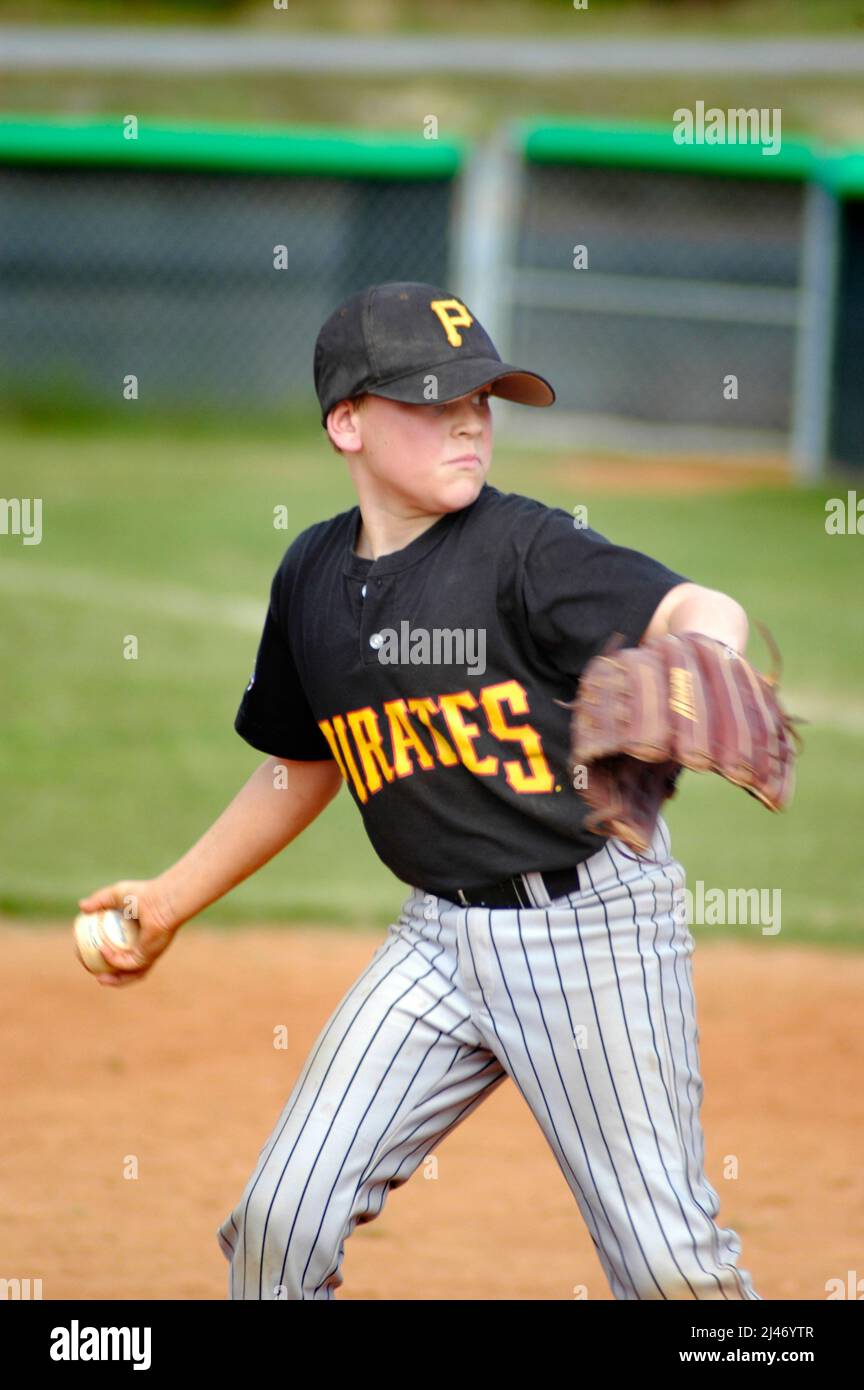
(284, 1251)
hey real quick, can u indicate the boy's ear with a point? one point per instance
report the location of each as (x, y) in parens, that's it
(333, 445)
(339, 421)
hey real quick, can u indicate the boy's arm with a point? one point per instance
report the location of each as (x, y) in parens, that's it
(693, 608)
(263, 818)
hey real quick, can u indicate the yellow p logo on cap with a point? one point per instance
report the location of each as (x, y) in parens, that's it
(453, 316)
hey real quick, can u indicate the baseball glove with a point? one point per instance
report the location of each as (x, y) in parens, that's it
(681, 701)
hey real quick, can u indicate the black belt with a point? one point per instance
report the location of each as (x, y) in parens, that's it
(513, 892)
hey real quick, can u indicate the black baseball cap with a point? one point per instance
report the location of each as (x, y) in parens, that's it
(412, 342)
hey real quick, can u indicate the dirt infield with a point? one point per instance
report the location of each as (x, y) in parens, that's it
(677, 476)
(180, 1073)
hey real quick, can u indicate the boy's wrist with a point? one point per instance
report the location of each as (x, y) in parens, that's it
(165, 894)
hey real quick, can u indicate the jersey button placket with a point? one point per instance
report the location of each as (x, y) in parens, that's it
(373, 618)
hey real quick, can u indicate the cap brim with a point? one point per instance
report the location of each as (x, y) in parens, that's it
(460, 378)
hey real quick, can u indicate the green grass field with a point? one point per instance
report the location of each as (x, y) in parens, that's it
(112, 768)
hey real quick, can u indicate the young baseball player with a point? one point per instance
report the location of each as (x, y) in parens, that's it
(416, 647)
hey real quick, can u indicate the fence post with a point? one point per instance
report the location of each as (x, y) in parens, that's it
(813, 387)
(485, 232)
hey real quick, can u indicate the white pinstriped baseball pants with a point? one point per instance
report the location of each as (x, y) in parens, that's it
(587, 1003)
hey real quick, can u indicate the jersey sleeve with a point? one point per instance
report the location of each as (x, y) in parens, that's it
(274, 714)
(577, 588)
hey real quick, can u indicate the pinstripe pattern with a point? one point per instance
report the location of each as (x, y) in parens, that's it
(587, 1004)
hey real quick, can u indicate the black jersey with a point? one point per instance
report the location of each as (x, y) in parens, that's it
(430, 676)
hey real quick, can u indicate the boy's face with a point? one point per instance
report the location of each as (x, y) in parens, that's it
(434, 456)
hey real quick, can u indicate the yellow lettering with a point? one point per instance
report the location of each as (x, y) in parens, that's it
(339, 726)
(463, 733)
(402, 737)
(424, 708)
(540, 778)
(363, 724)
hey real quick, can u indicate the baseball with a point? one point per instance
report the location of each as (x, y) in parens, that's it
(92, 928)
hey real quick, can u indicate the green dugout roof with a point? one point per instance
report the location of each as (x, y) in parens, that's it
(844, 173)
(100, 141)
(654, 147)
(321, 150)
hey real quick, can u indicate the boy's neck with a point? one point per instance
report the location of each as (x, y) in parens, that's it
(384, 534)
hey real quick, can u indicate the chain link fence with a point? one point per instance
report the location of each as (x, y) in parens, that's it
(685, 301)
(171, 277)
(684, 280)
